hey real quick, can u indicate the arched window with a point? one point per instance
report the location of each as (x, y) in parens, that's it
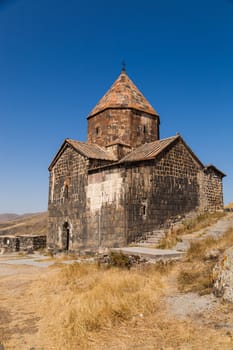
(66, 236)
(143, 210)
(66, 191)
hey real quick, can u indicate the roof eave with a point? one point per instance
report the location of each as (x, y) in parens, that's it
(151, 157)
(216, 169)
(67, 142)
(155, 114)
(58, 154)
(177, 137)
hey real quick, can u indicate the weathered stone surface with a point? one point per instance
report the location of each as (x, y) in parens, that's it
(211, 192)
(101, 202)
(223, 276)
(160, 189)
(132, 127)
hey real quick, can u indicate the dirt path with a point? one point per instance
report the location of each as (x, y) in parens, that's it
(206, 310)
(186, 305)
(215, 231)
(17, 314)
(21, 277)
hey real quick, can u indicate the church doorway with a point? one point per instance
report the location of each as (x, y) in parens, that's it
(66, 236)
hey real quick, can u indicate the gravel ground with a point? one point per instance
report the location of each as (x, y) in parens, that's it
(190, 304)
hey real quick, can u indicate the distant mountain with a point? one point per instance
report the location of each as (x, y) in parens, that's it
(13, 224)
(13, 216)
(8, 217)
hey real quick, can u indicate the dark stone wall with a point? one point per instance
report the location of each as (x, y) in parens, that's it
(126, 202)
(110, 206)
(161, 189)
(67, 201)
(35, 242)
(130, 126)
(211, 194)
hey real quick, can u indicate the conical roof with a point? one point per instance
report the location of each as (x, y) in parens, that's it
(123, 94)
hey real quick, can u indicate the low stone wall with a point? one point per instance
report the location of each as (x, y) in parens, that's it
(9, 243)
(35, 242)
(22, 243)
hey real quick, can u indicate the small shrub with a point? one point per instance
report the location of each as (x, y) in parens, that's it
(198, 249)
(119, 260)
(163, 267)
(21, 254)
(169, 241)
(197, 280)
(47, 252)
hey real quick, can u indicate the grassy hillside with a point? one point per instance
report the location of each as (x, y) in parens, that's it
(25, 224)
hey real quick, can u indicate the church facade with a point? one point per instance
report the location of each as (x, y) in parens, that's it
(124, 182)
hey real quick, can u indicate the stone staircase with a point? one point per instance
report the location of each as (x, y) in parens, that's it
(151, 239)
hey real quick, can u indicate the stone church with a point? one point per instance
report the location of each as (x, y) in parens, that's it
(124, 182)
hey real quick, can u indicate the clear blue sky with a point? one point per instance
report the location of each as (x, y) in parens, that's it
(58, 57)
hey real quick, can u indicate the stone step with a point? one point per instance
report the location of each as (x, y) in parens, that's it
(144, 244)
(147, 245)
(151, 238)
(150, 253)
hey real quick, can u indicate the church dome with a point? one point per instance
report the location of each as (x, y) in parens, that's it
(123, 94)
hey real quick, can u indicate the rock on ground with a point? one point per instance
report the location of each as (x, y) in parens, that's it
(223, 276)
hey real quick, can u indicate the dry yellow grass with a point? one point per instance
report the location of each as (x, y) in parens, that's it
(200, 222)
(84, 300)
(196, 274)
(84, 306)
(87, 307)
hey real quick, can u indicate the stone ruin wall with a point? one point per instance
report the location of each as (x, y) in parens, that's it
(22, 243)
(34, 242)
